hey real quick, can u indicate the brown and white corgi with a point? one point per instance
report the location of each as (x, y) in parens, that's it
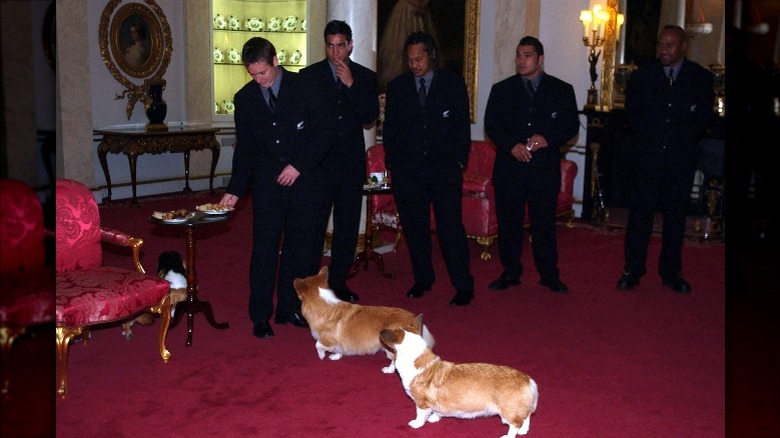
(467, 390)
(345, 329)
(170, 266)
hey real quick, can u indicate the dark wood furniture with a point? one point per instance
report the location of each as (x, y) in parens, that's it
(368, 253)
(136, 141)
(192, 304)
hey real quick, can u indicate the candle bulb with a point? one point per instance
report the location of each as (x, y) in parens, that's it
(586, 18)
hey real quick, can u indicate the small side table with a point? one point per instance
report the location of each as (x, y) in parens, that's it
(368, 253)
(192, 304)
(134, 142)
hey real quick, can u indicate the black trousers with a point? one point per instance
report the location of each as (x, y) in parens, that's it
(414, 209)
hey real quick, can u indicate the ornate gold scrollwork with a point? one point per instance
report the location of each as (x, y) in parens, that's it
(113, 35)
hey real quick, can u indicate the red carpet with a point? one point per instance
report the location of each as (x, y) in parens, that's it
(608, 363)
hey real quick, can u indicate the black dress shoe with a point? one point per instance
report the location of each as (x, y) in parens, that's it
(677, 284)
(462, 298)
(627, 281)
(502, 283)
(556, 286)
(295, 319)
(262, 330)
(344, 294)
(417, 291)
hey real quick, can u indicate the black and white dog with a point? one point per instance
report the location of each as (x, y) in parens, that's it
(170, 266)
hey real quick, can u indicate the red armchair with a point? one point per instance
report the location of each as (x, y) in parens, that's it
(479, 213)
(89, 293)
(27, 284)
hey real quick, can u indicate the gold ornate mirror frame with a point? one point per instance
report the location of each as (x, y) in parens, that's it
(115, 42)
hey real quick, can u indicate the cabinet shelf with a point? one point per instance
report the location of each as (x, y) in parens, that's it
(226, 80)
(264, 33)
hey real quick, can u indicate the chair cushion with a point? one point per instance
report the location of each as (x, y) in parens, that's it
(21, 227)
(27, 297)
(78, 227)
(104, 294)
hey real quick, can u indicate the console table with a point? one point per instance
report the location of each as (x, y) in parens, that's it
(136, 141)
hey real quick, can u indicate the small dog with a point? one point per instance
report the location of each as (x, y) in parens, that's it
(345, 329)
(469, 390)
(170, 266)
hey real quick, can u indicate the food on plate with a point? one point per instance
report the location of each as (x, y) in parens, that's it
(174, 214)
(213, 207)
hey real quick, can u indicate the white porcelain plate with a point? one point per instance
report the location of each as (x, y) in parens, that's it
(179, 220)
(218, 211)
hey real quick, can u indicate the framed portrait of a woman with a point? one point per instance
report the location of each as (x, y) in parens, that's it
(136, 45)
(136, 40)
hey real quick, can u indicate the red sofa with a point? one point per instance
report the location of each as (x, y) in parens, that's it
(479, 213)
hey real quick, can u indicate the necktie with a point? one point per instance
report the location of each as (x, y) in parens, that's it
(530, 89)
(671, 76)
(338, 83)
(271, 99)
(421, 92)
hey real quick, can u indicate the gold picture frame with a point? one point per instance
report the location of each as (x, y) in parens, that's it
(471, 55)
(135, 44)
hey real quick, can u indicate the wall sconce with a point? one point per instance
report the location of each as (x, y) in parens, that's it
(594, 23)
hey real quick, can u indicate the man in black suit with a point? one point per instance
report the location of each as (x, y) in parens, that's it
(282, 138)
(669, 107)
(427, 139)
(353, 101)
(529, 116)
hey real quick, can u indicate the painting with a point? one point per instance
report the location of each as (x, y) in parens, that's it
(135, 43)
(454, 24)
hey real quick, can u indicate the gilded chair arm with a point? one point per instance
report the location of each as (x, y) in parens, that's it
(110, 235)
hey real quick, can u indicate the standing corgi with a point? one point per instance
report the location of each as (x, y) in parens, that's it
(170, 266)
(469, 390)
(346, 329)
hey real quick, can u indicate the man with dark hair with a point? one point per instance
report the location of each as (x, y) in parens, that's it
(427, 139)
(669, 107)
(350, 91)
(529, 116)
(282, 138)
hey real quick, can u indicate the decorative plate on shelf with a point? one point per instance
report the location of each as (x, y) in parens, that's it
(304, 24)
(234, 56)
(281, 55)
(228, 106)
(290, 23)
(274, 24)
(233, 23)
(220, 22)
(254, 24)
(296, 56)
(218, 55)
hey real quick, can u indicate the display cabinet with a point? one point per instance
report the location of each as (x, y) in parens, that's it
(286, 23)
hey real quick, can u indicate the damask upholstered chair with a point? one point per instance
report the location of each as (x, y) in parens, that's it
(384, 214)
(89, 293)
(26, 283)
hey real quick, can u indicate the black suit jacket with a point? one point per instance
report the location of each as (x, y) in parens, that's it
(348, 112)
(552, 114)
(296, 133)
(668, 119)
(431, 141)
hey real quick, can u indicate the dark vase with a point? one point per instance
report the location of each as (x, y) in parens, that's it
(155, 105)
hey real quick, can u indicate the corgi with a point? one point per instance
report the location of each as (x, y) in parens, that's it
(345, 329)
(170, 266)
(467, 390)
